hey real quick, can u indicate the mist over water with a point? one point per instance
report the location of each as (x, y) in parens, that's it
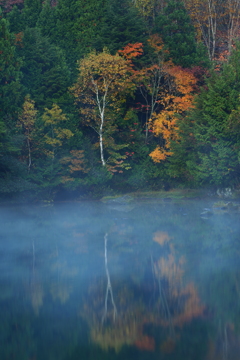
(151, 279)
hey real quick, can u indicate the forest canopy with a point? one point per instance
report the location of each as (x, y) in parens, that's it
(109, 96)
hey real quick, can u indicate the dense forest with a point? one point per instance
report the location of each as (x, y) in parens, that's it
(115, 96)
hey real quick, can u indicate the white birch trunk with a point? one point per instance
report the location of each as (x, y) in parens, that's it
(109, 285)
(101, 141)
(101, 104)
(29, 154)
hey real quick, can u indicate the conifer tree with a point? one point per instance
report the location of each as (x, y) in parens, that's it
(77, 24)
(10, 88)
(178, 34)
(15, 19)
(47, 20)
(208, 148)
(31, 11)
(46, 75)
(121, 25)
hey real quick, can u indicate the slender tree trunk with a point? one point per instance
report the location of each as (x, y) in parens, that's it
(101, 104)
(109, 285)
(29, 154)
(233, 10)
(101, 140)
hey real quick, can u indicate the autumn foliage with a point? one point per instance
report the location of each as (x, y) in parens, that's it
(175, 103)
(118, 82)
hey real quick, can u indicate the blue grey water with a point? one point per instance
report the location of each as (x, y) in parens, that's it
(150, 279)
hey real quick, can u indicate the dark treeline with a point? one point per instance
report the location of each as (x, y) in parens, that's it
(118, 96)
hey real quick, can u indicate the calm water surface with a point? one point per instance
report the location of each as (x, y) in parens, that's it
(147, 280)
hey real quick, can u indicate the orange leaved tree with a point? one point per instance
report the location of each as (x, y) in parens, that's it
(175, 99)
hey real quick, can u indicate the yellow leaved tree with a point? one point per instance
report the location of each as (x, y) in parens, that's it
(26, 121)
(217, 24)
(102, 85)
(54, 131)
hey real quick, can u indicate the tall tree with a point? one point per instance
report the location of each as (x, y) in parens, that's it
(55, 133)
(10, 88)
(46, 74)
(208, 148)
(205, 16)
(77, 24)
(99, 91)
(47, 20)
(231, 21)
(150, 9)
(121, 25)
(178, 34)
(217, 24)
(27, 120)
(30, 12)
(176, 99)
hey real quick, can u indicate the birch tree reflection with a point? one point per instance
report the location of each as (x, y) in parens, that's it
(109, 285)
(119, 311)
(115, 325)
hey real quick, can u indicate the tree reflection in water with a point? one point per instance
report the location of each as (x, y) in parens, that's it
(126, 322)
(128, 291)
(109, 286)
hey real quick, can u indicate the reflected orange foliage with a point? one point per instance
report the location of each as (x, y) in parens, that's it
(145, 343)
(192, 306)
(171, 269)
(161, 237)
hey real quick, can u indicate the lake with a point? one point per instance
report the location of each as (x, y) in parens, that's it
(149, 279)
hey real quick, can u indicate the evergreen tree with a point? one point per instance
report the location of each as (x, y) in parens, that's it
(47, 20)
(12, 171)
(175, 27)
(77, 24)
(31, 11)
(46, 75)
(20, 19)
(10, 88)
(15, 18)
(208, 150)
(121, 25)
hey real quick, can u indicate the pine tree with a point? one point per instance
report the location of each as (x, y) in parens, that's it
(10, 88)
(15, 18)
(31, 11)
(46, 75)
(77, 24)
(121, 25)
(208, 150)
(47, 20)
(178, 34)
